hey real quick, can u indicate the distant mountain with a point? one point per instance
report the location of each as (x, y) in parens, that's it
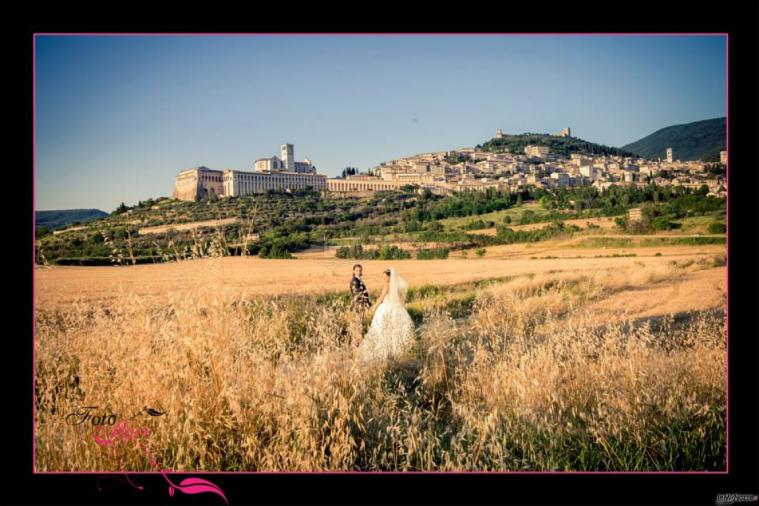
(53, 220)
(700, 140)
(557, 144)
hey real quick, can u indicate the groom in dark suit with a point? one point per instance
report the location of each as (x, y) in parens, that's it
(359, 303)
(359, 295)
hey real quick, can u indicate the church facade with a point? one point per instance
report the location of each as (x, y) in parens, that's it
(269, 174)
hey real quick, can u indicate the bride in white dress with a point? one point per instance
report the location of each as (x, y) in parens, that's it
(392, 330)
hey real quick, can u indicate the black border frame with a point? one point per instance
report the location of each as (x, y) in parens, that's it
(740, 19)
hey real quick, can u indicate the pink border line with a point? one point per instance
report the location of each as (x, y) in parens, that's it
(727, 252)
(331, 34)
(388, 34)
(34, 251)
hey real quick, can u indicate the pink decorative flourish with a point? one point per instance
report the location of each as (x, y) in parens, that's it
(194, 486)
(122, 432)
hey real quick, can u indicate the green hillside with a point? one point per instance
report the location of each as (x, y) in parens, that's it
(561, 145)
(270, 225)
(276, 224)
(701, 140)
(53, 220)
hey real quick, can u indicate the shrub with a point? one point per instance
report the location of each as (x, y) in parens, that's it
(506, 235)
(461, 307)
(429, 254)
(480, 252)
(275, 250)
(663, 223)
(717, 228)
(393, 253)
(527, 217)
(417, 315)
(386, 252)
(477, 224)
(423, 292)
(342, 252)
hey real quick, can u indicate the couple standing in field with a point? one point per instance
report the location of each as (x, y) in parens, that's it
(392, 330)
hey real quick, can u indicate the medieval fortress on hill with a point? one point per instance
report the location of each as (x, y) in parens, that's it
(465, 169)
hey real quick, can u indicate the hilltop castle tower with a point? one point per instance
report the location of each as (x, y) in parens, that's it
(499, 134)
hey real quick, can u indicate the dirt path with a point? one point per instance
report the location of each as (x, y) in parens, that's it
(160, 229)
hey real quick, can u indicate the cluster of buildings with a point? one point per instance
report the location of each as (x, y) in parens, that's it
(473, 169)
(465, 169)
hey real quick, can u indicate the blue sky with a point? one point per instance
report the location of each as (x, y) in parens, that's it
(119, 116)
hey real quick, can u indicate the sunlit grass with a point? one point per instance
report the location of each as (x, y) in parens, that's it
(512, 373)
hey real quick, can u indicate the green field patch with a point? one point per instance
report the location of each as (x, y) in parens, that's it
(700, 224)
(496, 216)
(642, 242)
(681, 241)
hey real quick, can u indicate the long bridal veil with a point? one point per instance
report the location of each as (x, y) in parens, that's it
(398, 287)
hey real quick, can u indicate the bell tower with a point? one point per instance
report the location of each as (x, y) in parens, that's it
(288, 157)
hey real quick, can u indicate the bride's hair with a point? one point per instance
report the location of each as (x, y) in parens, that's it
(386, 272)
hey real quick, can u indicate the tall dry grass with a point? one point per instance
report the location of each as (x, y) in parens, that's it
(528, 379)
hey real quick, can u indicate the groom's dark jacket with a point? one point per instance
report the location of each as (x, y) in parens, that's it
(359, 295)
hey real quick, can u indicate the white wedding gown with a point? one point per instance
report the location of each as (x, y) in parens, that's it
(391, 332)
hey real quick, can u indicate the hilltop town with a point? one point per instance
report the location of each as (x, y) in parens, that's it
(465, 169)
(283, 206)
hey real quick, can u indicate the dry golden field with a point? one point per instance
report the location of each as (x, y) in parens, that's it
(521, 363)
(315, 274)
